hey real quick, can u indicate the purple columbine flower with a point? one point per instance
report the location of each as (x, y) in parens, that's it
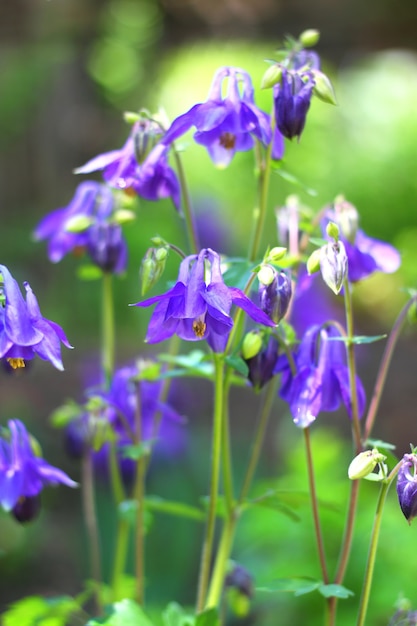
(86, 223)
(195, 309)
(262, 366)
(23, 474)
(407, 486)
(292, 97)
(127, 169)
(321, 380)
(226, 124)
(275, 292)
(24, 332)
(365, 254)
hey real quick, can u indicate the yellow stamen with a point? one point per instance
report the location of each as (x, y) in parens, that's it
(199, 328)
(16, 363)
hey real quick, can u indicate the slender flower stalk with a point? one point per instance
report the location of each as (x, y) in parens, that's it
(264, 169)
(108, 338)
(367, 582)
(91, 522)
(214, 483)
(139, 495)
(384, 367)
(193, 242)
(350, 350)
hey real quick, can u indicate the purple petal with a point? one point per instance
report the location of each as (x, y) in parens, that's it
(242, 301)
(18, 325)
(100, 162)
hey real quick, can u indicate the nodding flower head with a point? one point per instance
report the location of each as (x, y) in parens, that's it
(292, 97)
(198, 307)
(407, 486)
(229, 120)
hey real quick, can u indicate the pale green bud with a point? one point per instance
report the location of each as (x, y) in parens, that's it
(365, 463)
(332, 230)
(130, 117)
(323, 88)
(271, 77)
(251, 345)
(313, 262)
(122, 216)
(309, 37)
(152, 267)
(266, 275)
(78, 223)
(276, 254)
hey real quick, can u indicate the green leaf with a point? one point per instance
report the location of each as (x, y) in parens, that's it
(358, 339)
(89, 272)
(237, 272)
(299, 585)
(178, 509)
(40, 611)
(209, 617)
(66, 413)
(290, 178)
(138, 450)
(378, 443)
(318, 241)
(123, 613)
(335, 591)
(174, 615)
(238, 364)
(195, 363)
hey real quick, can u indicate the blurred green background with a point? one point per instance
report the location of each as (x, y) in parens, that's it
(69, 68)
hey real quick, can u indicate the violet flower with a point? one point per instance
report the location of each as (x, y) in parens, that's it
(365, 254)
(407, 486)
(226, 124)
(24, 332)
(92, 208)
(292, 97)
(23, 474)
(321, 380)
(195, 309)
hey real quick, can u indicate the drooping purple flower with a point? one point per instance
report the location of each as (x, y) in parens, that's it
(365, 254)
(262, 365)
(292, 97)
(24, 332)
(321, 380)
(195, 309)
(92, 209)
(151, 178)
(407, 486)
(23, 474)
(225, 124)
(275, 292)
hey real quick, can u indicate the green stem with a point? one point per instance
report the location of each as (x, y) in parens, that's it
(122, 544)
(222, 556)
(107, 328)
(264, 167)
(139, 496)
(193, 242)
(314, 505)
(350, 350)
(214, 484)
(91, 524)
(367, 583)
(226, 449)
(384, 366)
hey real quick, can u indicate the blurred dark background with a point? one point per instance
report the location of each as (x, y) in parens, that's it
(68, 70)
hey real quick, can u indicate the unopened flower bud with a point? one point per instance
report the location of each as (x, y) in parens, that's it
(407, 486)
(334, 265)
(262, 364)
(26, 508)
(276, 254)
(347, 217)
(239, 587)
(365, 463)
(271, 77)
(323, 88)
(275, 294)
(152, 267)
(78, 223)
(313, 262)
(251, 345)
(309, 37)
(122, 216)
(107, 247)
(332, 230)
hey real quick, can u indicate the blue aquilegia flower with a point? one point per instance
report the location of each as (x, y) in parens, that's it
(23, 474)
(24, 332)
(365, 254)
(86, 223)
(321, 380)
(407, 486)
(292, 97)
(120, 405)
(198, 308)
(137, 171)
(225, 124)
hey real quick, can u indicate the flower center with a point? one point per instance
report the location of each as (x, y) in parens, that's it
(227, 140)
(78, 251)
(16, 363)
(199, 327)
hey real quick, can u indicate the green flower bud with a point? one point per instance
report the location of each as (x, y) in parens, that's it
(332, 230)
(266, 275)
(275, 254)
(309, 37)
(252, 344)
(122, 216)
(130, 117)
(365, 463)
(78, 223)
(313, 262)
(323, 88)
(152, 267)
(271, 77)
